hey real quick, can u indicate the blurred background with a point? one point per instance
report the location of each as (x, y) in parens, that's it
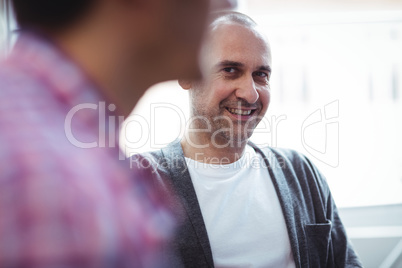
(336, 93)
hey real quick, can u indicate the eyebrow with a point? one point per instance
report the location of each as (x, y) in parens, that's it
(229, 63)
(265, 68)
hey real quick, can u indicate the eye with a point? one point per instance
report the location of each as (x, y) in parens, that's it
(229, 69)
(261, 74)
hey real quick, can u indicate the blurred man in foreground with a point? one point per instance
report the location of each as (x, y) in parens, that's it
(77, 69)
(244, 206)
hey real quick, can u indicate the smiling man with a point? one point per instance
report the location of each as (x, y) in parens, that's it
(234, 96)
(241, 205)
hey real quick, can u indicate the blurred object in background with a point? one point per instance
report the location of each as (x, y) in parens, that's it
(68, 198)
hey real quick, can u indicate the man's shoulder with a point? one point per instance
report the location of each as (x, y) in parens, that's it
(284, 155)
(170, 153)
(152, 158)
(24, 97)
(293, 164)
(146, 160)
(153, 164)
(13, 76)
(163, 166)
(159, 166)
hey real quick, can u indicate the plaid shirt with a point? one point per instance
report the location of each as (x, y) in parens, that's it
(62, 205)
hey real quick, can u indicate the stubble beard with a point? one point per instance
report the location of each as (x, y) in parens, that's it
(225, 132)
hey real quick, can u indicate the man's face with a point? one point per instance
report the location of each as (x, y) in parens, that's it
(235, 92)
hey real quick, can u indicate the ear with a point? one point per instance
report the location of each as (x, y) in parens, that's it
(185, 84)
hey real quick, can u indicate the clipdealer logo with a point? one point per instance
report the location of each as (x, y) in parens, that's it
(319, 130)
(320, 134)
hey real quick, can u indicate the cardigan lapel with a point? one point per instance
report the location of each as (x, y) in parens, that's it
(182, 183)
(181, 180)
(285, 199)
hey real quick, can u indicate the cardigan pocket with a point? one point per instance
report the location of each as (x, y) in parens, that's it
(319, 244)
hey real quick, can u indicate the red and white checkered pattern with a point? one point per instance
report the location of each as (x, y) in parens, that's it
(60, 205)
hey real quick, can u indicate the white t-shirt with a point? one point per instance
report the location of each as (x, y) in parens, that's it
(242, 213)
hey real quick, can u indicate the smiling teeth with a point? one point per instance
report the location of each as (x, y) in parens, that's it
(239, 112)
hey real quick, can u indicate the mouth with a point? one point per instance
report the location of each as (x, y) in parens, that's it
(241, 112)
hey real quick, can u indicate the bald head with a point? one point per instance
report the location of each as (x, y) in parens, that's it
(225, 30)
(227, 18)
(218, 18)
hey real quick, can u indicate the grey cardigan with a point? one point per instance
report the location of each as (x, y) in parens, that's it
(317, 236)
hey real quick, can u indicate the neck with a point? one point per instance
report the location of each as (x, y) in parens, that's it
(202, 149)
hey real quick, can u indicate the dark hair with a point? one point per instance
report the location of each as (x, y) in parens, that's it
(49, 15)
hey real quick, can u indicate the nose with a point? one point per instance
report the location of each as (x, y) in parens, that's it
(246, 90)
(222, 4)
